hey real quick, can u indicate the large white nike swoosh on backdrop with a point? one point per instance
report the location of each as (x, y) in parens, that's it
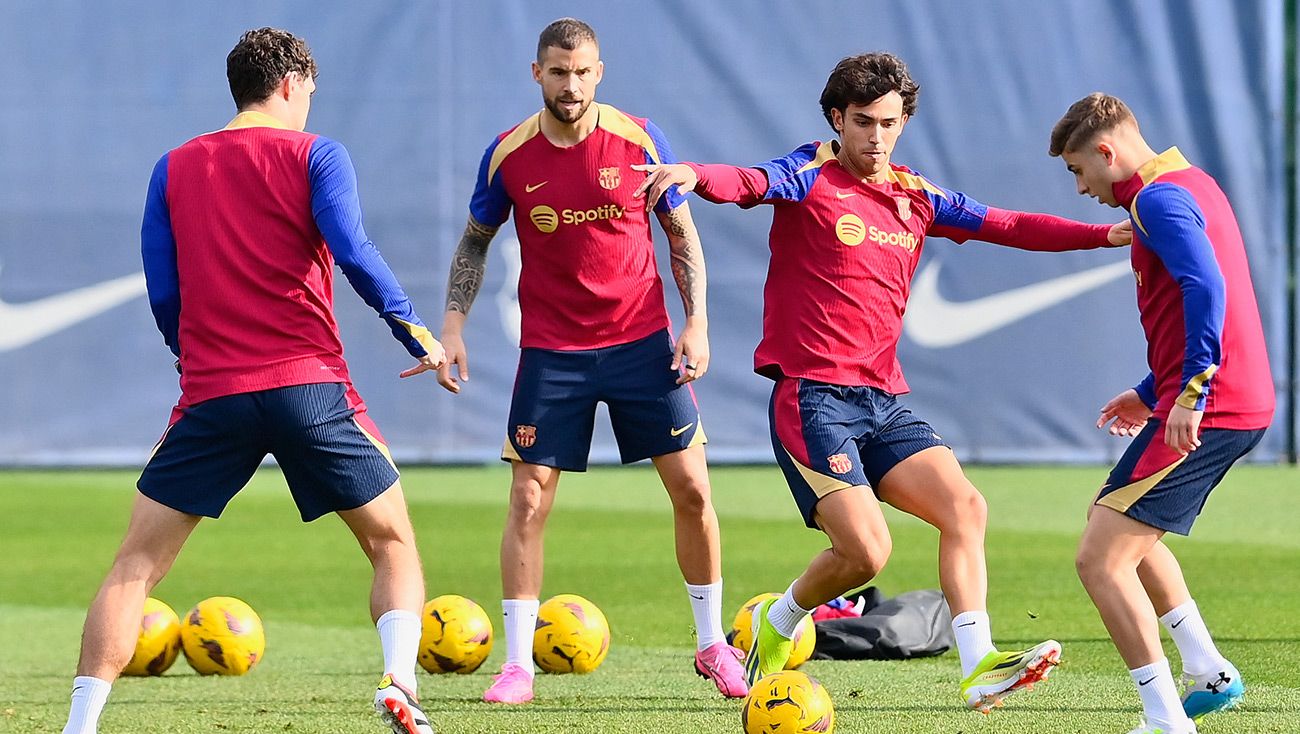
(933, 321)
(23, 323)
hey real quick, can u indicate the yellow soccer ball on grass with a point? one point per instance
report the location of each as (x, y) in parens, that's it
(788, 702)
(223, 636)
(742, 632)
(572, 635)
(456, 635)
(159, 642)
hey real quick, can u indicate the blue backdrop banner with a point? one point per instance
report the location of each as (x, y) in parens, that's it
(1009, 354)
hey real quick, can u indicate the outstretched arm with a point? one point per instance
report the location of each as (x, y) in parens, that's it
(336, 209)
(1030, 231)
(691, 353)
(463, 284)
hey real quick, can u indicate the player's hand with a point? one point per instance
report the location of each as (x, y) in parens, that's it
(659, 178)
(1183, 429)
(691, 354)
(1121, 233)
(432, 360)
(456, 368)
(1128, 412)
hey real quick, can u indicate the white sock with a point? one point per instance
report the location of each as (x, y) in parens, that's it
(974, 640)
(1159, 695)
(785, 614)
(88, 698)
(1195, 646)
(706, 604)
(520, 622)
(399, 636)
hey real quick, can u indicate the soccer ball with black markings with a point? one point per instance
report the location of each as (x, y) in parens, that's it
(456, 635)
(788, 702)
(572, 635)
(159, 643)
(223, 636)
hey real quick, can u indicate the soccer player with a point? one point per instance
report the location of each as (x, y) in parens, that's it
(242, 229)
(847, 231)
(1205, 403)
(595, 328)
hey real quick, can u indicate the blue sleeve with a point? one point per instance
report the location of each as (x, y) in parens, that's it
(1173, 226)
(790, 177)
(337, 211)
(158, 249)
(953, 208)
(489, 205)
(1146, 390)
(672, 198)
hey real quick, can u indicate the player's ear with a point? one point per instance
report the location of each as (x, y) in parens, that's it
(600, 71)
(837, 120)
(1107, 152)
(537, 72)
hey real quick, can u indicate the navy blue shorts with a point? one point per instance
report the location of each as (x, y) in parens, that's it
(553, 411)
(832, 437)
(1155, 485)
(331, 453)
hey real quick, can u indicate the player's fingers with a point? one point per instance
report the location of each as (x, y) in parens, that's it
(462, 365)
(417, 369)
(447, 380)
(701, 366)
(646, 183)
(679, 350)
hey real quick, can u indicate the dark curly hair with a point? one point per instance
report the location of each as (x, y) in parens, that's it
(261, 59)
(863, 79)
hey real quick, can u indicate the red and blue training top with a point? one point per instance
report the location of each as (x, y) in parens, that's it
(844, 251)
(588, 277)
(1205, 344)
(242, 228)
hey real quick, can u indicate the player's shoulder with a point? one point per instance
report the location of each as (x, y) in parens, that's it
(620, 124)
(912, 181)
(509, 142)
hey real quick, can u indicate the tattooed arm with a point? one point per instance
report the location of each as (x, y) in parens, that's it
(691, 353)
(463, 285)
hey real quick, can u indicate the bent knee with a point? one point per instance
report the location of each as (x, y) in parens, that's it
(864, 562)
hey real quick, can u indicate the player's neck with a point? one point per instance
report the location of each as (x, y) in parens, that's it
(861, 172)
(567, 134)
(278, 111)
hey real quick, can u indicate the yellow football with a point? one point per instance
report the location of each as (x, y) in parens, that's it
(223, 636)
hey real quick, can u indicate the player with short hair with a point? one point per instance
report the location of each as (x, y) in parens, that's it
(847, 231)
(1205, 403)
(242, 230)
(594, 329)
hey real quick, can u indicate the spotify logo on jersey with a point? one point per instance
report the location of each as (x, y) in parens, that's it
(544, 218)
(850, 229)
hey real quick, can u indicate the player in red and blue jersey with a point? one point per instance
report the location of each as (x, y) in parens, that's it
(847, 231)
(242, 230)
(594, 329)
(1205, 404)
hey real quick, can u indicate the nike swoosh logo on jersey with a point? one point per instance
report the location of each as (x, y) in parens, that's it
(675, 432)
(845, 194)
(24, 323)
(934, 321)
(530, 188)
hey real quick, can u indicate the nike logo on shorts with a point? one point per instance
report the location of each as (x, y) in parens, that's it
(675, 432)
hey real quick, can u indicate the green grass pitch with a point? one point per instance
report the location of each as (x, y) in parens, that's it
(610, 539)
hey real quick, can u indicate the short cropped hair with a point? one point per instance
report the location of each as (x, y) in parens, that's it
(864, 78)
(565, 33)
(261, 59)
(1090, 116)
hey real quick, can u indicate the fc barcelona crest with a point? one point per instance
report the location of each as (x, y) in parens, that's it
(904, 205)
(525, 436)
(609, 178)
(840, 463)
